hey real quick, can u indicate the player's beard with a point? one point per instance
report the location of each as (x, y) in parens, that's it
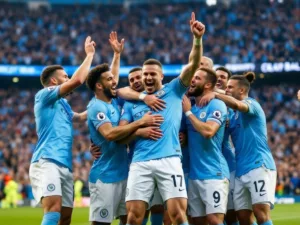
(107, 92)
(196, 92)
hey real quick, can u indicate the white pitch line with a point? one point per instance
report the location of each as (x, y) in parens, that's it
(285, 218)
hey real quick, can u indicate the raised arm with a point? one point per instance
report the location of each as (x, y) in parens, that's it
(118, 48)
(188, 71)
(81, 73)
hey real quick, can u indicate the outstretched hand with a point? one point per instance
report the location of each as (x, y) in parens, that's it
(89, 46)
(115, 44)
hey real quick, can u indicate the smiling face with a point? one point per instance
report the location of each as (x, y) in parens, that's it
(152, 78)
(222, 79)
(197, 84)
(233, 89)
(107, 84)
(135, 81)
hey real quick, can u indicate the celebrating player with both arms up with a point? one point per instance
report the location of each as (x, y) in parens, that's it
(136, 129)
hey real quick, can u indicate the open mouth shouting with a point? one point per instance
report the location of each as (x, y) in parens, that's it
(149, 85)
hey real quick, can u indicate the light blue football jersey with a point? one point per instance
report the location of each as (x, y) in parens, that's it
(168, 145)
(185, 150)
(249, 136)
(206, 158)
(53, 117)
(227, 148)
(126, 107)
(112, 166)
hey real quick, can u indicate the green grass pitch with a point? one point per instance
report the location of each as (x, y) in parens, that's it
(281, 215)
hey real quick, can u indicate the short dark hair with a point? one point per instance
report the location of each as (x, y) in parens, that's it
(223, 68)
(210, 75)
(48, 72)
(152, 62)
(135, 69)
(95, 75)
(244, 80)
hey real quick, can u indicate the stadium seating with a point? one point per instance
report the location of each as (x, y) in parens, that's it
(55, 35)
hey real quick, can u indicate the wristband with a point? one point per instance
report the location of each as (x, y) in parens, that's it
(188, 113)
(197, 41)
(142, 96)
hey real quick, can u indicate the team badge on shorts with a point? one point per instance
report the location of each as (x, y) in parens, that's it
(51, 187)
(104, 213)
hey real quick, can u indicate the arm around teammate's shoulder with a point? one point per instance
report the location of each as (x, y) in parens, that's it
(152, 101)
(232, 102)
(81, 73)
(111, 133)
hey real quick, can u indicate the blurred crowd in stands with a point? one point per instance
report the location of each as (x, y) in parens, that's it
(234, 34)
(18, 137)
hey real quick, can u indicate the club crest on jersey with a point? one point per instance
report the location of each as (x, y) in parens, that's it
(51, 187)
(101, 116)
(104, 213)
(160, 93)
(202, 115)
(217, 114)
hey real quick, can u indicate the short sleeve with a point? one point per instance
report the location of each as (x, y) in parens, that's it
(97, 114)
(48, 95)
(178, 87)
(217, 112)
(126, 113)
(254, 107)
